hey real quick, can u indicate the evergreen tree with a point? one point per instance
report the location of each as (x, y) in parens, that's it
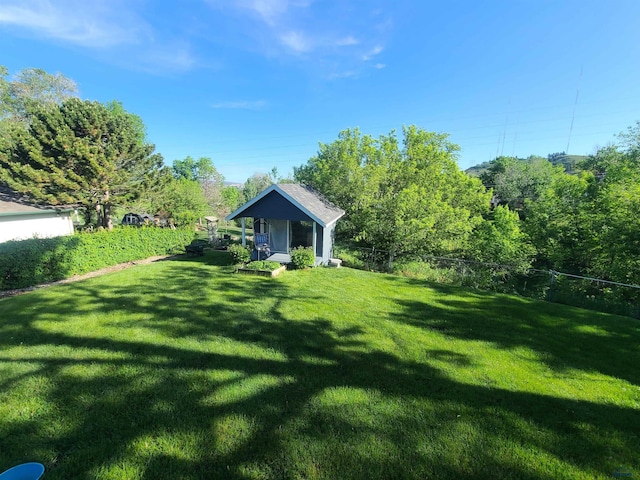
(81, 153)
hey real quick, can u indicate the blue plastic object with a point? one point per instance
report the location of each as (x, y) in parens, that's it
(26, 471)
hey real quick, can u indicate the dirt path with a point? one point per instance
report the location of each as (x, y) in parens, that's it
(76, 278)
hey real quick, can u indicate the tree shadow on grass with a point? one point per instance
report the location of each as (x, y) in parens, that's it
(565, 337)
(220, 383)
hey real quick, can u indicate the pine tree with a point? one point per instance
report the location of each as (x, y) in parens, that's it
(81, 153)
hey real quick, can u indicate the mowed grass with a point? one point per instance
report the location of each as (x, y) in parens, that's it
(182, 370)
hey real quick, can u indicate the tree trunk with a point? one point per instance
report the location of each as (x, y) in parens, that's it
(108, 223)
(99, 219)
(87, 216)
(106, 210)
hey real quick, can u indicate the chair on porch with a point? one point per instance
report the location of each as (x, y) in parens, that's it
(261, 244)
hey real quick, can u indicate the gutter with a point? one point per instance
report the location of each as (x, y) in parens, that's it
(58, 212)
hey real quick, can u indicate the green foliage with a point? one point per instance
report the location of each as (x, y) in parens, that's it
(422, 270)
(239, 254)
(231, 197)
(560, 224)
(30, 89)
(302, 257)
(263, 265)
(515, 181)
(81, 153)
(500, 240)
(570, 163)
(210, 181)
(183, 201)
(349, 257)
(200, 170)
(30, 262)
(588, 224)
(255, 184)
(413, 199)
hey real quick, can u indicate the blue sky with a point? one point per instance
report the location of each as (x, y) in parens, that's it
(255, 84)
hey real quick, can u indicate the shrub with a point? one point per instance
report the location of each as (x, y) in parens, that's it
(29, 262)
(239, 254)
(302, 257)
(265, 265)
(349, 258)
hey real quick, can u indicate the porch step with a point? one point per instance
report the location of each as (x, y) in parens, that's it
(335, 262)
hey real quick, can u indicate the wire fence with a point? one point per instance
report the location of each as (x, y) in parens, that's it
(550, 285)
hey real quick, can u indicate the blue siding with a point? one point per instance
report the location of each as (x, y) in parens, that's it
(275, 206)
(319, 241)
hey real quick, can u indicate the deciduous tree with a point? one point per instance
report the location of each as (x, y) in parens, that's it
(413, 199)
(514, 180)
(205, 173)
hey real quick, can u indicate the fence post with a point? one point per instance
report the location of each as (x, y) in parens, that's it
(552, 283)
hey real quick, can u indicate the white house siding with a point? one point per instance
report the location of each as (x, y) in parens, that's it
(29, 226)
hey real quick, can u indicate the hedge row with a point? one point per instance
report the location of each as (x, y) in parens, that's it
(39, 260)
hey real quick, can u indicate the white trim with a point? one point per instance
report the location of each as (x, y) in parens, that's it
(313, 239)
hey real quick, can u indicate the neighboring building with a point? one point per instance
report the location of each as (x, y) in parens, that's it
(140, 219)
(137, 219)
(292, 215)
(20, 222)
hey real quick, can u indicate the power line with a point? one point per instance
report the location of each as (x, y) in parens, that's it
(573, 116)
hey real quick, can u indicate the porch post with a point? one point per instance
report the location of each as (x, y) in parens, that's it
(313, 242)
(244, 238)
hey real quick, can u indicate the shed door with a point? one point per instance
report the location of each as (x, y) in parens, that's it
(279, 235)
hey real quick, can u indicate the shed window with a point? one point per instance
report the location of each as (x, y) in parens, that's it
(301, 234)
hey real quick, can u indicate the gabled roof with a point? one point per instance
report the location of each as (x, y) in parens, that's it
(15, 204)
(15, 209)
(306, 199)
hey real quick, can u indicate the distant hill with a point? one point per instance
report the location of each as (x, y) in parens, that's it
(569, 162)
(478, 170)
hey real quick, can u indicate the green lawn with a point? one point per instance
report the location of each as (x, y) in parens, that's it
(181, 369)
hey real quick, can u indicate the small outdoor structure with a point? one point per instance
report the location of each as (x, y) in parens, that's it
(19, 221)
(212, 229)
(292, 215)
(136, 219)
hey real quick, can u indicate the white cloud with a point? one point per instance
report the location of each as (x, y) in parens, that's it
(372, 53)
(346, 42)
(335, 37)
(168, 58)
(296, 41)
(379, 66)
(91, 24)
(338, 75)
(242, 105)
(107, 25)
(269, 10)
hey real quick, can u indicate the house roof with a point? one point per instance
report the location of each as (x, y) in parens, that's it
(15, 204)
(14, 207)
(306, 199)
(10, 208)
